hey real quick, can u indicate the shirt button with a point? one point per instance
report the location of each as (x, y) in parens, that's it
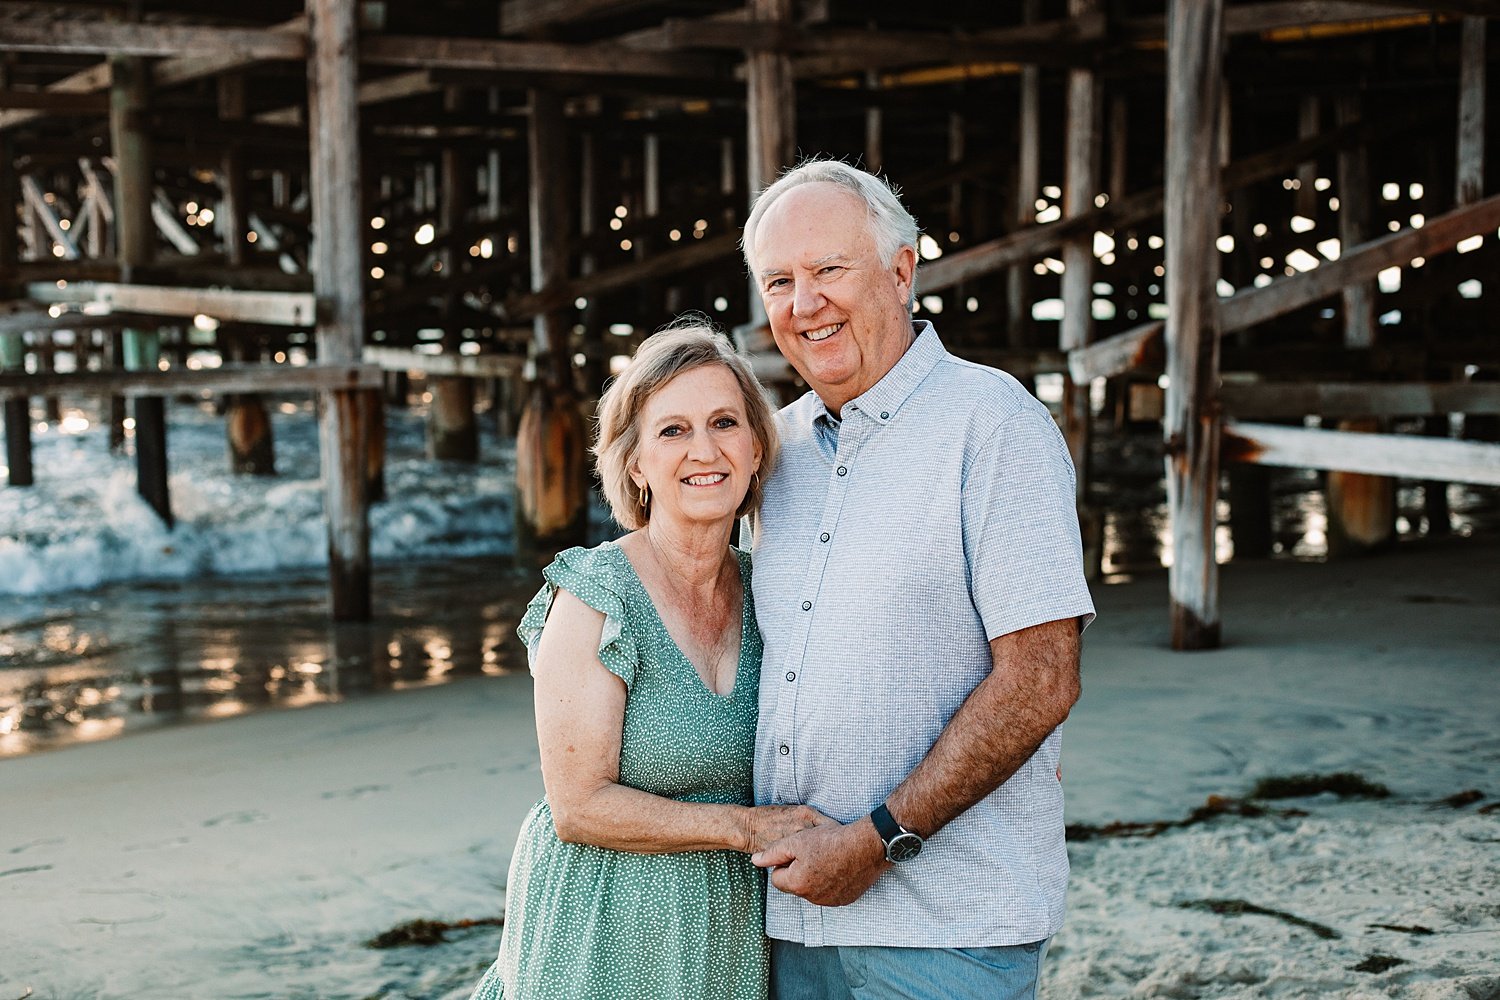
(823, 537)
(791, 675)
(785, 749)
(843, 471)
(884, 415)
(807, 605)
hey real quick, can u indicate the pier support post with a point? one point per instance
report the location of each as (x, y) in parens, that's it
(1193, 418)
(1028, 175)
(1361, 508)
(1080, 185)
(551, 507)
(452, 431)
(771, 117)
(135, 240)
(338, 282)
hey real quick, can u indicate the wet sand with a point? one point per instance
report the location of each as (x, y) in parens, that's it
(254, 856)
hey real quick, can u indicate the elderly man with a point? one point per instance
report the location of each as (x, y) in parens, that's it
(918, 579)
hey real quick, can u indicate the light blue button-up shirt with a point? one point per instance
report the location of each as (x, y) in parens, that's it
(892, 546)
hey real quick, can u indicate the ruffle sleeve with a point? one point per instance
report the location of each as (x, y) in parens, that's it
(595, 577)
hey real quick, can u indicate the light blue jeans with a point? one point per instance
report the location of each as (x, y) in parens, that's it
(874, 973)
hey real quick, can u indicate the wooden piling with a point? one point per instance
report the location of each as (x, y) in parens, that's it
(551, 508)
(1193, 418)
(333, 74)
(135, 241)
(17, 409)
(1081, 184)
(1019, 326)
(452, 431)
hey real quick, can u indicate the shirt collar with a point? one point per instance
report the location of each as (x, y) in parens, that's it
(884, 399)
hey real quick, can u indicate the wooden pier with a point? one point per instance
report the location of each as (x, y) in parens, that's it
(1274, 211)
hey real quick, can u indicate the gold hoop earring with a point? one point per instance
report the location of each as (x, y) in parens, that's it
(645, 496)
(755, 480)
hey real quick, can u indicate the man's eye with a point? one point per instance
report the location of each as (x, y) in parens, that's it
(776, 283)
(831, 268)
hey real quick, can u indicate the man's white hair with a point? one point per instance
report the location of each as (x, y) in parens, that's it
(891, 225)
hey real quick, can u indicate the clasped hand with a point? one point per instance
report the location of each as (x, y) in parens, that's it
(828, 864)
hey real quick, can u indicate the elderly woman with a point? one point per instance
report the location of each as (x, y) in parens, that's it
(632, 878)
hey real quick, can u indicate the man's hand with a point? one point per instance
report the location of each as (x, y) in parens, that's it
(827, 865)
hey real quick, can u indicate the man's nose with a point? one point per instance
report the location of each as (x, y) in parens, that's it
(806, 300)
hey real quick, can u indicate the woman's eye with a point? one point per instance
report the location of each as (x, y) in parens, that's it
(723, 423)
(671, 431)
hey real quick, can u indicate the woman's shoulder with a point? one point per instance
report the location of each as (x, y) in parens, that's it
(604, 564)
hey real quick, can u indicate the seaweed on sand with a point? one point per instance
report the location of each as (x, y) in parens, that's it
(1240, 907)
(1377, 963)
(426, 932)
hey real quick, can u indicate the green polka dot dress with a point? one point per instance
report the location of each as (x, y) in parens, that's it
(589, 923)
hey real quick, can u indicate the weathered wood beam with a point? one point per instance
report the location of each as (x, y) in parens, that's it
(396, 359)
(129, 38)
(87, 81)
(418, 52)
(694, 253)
(1361, 263)
(1471, 100)
(1404, 455)
(55, 103)
(529, 16)
(275, 308)
(231, 378)
(1274, 400)
(1134, 348)
(38, 203)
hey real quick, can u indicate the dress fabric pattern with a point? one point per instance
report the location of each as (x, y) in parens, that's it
(588, 922)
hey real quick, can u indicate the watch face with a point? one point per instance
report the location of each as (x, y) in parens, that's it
(903, 847)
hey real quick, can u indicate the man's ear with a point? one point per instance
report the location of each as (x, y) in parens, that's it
(904, 267)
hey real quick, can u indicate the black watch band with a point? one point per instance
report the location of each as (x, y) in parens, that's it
(900, 843)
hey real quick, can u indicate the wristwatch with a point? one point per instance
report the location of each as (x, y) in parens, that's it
(900, 843)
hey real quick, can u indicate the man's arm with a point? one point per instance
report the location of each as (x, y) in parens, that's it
(1032, 686)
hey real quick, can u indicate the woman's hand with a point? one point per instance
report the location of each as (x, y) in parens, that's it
(764, 825)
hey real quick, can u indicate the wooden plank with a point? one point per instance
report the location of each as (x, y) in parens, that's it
(1195, 51)
(1268, 400)
(275, 308)
(771, 107)
(398, 359)
(1403, 455)
(125, 38)
(229, 378)
(538, 58)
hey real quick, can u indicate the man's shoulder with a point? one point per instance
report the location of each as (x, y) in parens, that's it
(990, 396)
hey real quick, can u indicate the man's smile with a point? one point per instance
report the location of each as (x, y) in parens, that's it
(822, 332)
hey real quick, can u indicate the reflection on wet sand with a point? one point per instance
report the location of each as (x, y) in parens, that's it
(133, 657)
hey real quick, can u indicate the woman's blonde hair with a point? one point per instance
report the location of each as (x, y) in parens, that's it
(687, 344)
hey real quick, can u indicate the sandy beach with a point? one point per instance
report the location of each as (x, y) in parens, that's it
(256, 856)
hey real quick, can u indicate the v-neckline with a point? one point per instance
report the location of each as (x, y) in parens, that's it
(739, 660)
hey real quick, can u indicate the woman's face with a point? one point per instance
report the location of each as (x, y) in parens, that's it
(697, 450)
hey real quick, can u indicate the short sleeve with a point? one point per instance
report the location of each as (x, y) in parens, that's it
(1020, 523)
(594, 577)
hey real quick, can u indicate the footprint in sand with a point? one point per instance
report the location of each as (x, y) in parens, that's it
(238, 818)
(44, 842)
(430, 768)
(357, 792)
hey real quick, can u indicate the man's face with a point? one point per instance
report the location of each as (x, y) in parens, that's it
(839, 317)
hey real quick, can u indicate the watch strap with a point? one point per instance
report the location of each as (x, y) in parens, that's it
(885, 824)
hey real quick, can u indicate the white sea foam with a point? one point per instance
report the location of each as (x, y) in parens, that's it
(83, 524)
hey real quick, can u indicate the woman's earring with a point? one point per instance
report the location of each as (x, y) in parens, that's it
(755, 480)
(645, 496)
